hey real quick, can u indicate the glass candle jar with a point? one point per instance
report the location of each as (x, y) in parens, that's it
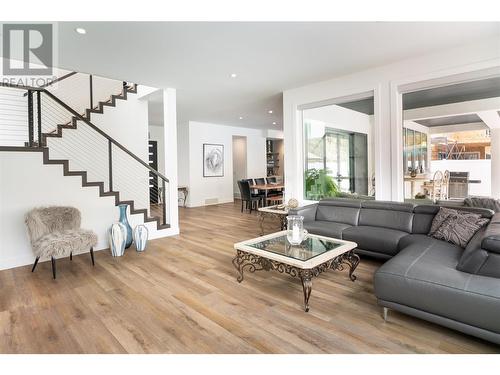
(295, 233)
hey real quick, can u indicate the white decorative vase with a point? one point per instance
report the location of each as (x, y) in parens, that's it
(141, 234)
(117, 239)
(295, 233)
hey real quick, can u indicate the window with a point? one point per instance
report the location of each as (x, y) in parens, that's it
(415, 151)
(336, 157)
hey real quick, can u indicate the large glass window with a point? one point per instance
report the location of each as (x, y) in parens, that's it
(450, 155)
(415, 151)
(336, 152)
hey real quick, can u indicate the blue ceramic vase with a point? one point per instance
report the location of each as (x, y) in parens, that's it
(141, 234)
(124, 221)
(117, 235)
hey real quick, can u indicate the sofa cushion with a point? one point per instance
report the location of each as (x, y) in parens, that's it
(459, 228)
(423, 215)
(382, 240)
(483, 202)
(426, 278)
(389, 205)
(339, 214)
(326, 228)
(422, 239)
(401, 221)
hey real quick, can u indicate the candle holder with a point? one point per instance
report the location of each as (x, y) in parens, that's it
(295, 233)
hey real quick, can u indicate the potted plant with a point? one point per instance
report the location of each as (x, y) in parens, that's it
(319, 184)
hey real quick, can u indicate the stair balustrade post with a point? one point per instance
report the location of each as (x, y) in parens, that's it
(91, 85)
(30, 118)
(164, 199)
(110, 164)
(39, 116)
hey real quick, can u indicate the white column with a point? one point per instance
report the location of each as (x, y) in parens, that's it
(170, 154)
(383, 143)
(495, 162)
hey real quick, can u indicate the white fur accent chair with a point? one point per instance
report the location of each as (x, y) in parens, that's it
(55, 232)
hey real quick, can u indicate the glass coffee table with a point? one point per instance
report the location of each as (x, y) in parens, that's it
(316, 254)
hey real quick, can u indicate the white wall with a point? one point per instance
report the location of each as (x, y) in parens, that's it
(495, 163)
(183, 154)
(212, 190)
(127, 123)
(381, 82)
(45, 185)
(170, 141)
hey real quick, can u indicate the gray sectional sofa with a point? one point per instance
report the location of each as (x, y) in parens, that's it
(424, 277)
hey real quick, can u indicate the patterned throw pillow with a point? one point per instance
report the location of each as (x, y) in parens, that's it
(443, 214)
(460, 228)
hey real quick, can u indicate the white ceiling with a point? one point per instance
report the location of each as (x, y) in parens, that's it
(197, 58)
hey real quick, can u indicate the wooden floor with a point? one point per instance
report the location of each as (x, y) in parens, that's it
(181, 296)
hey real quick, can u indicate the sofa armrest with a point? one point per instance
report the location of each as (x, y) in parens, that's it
(491, 238)
(309, 212)
(491, 243)
(482, 254)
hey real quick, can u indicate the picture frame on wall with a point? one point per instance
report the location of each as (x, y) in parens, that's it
(213, 160)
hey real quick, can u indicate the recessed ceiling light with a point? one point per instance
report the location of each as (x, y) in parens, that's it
(81, 30)
(241, 117)
(274, 122)
(234, 75)
(270, 111)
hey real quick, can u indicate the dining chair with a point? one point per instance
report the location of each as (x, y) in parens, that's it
(246, 196)
(273, 192)
(255, 192)
(260, 181)
(437, 184)
(445, 188)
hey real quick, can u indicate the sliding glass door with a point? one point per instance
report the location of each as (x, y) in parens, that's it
(337, 157)
(336, 162)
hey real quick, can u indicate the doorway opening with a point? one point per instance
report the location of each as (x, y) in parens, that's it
(450, 142)
(239, 163)
(338, 149)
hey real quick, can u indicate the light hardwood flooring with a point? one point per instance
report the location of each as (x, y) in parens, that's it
(181, 296)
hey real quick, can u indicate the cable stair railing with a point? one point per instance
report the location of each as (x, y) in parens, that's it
(35, 119)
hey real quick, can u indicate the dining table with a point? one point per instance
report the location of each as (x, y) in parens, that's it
(266, 187)
(420, 178)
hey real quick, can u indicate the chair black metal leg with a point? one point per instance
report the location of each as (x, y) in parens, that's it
(251, 206)
(242, 205)
(71, 256)
(92, 255)
(34, 265)
(53, 267)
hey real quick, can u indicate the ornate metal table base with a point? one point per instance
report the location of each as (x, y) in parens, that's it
(251, 262)
(280, 217)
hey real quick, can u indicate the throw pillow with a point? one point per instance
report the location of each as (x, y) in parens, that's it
(443, 214)
(460, 228)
